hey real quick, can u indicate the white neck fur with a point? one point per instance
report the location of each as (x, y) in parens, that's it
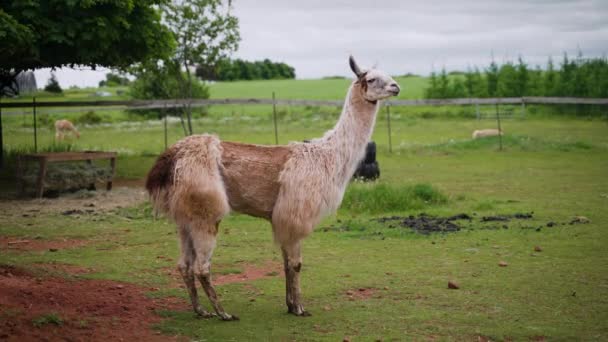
(349, 137)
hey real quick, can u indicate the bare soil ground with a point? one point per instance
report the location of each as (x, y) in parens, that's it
(361, 293)
(86, 201)
(88, 310)
(14, 243)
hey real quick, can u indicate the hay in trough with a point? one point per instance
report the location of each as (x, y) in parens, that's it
(66, 176)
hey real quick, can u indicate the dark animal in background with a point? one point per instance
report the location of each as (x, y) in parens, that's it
(368, 169)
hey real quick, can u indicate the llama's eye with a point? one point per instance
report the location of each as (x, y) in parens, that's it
(371, 80)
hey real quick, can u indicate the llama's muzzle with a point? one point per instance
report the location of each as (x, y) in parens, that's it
(394, 89)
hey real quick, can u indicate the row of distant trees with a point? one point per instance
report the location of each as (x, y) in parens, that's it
(114, 80)
(578, 77)
(238, 69)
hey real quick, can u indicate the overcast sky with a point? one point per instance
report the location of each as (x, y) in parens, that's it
(316, 36)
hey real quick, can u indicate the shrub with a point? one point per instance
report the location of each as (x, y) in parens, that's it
(379, 198)
(53, 85)
(45, 119)
(114, 80)
(89, 118)
(157, 82)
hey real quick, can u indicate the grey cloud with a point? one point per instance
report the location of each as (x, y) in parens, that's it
(316, 36)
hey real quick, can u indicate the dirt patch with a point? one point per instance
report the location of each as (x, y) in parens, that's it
(19, 244)
(426, 224)
(361, 293)
(506, 218)
(63, 269)
(84, 202)
(250, 273)
(34, 308)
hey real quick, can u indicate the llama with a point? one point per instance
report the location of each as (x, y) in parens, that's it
(200, 179)
(490, 132)
(63, 127)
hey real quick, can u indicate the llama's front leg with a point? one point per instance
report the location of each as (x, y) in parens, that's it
(204, 243)
(185, 264)
(292, 262)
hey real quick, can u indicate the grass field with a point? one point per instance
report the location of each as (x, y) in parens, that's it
(323, 89)
(555, 167)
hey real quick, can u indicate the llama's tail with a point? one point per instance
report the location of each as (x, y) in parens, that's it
(186, 183)
(160, 180)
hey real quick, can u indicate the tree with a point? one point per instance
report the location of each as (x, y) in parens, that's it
(550, 79)
(50, 34)
(534, 85)
(431, 92)
(444, 85)
(238, 69)
(479, 86)
(458, 88)
(507, 80)
(205, 32)
(566, 75)
(114, 80)
(492, 78)
(523, 77)
(158, 81)
(52, 85)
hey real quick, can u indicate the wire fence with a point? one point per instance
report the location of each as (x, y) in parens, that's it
(255, 117)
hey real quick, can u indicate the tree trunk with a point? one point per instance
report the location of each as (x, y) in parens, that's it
(181, 119)
(188, 105)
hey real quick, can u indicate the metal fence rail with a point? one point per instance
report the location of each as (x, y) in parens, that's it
(69, 106)
(159, 104)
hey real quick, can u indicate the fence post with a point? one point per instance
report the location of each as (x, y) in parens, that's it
(35, 130)
(1, 141)
(499, 129)
(477, 111)
(165, 123)
(274, 115)
(388, 123)
(523, 108)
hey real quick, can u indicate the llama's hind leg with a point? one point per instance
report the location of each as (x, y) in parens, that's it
(292, 261)
(203, 238)
(185, 267)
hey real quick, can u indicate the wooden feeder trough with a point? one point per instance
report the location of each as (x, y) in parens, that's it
(23, 169)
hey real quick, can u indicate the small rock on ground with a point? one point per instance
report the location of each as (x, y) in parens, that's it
(453, 285)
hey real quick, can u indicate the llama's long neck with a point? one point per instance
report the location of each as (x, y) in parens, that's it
(350, 136)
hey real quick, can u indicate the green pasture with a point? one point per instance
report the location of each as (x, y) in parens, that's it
(307, 89)
(553, 166)
(324, 89)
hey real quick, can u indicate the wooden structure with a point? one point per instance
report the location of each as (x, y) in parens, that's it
(44, 158)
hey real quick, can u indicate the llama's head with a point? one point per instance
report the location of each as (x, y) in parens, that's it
(375, 84)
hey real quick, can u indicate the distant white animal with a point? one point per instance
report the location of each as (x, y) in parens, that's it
(63, 127)
(490, 132)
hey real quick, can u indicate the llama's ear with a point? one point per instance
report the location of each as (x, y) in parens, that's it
(354, 67)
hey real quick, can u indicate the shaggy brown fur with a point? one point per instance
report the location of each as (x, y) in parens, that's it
(200, 179)
(160, 175)
(243, 162)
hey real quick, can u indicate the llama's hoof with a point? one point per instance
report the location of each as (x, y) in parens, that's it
(305, 314)
(299, 311)
(202, 313)
(227, 317)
